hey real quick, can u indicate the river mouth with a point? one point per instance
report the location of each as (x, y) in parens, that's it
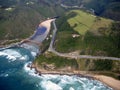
(15, 75)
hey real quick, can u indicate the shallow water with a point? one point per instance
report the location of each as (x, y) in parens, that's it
(15, 75)
(39, 31)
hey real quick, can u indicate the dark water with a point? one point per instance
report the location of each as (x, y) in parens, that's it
(12, 75)
(15, 75)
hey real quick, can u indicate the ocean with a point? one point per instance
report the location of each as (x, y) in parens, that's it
(15, 75)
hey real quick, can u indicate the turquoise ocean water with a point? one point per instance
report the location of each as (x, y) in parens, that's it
(15, 75)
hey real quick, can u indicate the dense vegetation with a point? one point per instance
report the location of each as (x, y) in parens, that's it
(104, 67)
(19, 18)
(26, 14)
(58, 62)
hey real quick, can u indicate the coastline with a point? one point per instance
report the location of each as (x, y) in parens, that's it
(109, 81)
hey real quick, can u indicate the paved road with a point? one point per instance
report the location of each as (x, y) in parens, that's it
(51, 49)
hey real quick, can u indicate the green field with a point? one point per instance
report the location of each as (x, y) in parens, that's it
(82, 21)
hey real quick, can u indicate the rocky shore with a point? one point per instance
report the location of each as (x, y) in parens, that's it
(111, 82)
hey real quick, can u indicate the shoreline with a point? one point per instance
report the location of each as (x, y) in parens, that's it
(109, 81)
(106, 80)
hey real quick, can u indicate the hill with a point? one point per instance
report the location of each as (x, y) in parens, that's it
(19, 18)
(80, 32)
(26, 14)
(87, 34)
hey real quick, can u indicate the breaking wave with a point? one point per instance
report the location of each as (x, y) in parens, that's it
(35, 81)
(65, 82)
(15, 54)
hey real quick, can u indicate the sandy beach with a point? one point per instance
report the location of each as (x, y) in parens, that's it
(115, 84)
(47, 24)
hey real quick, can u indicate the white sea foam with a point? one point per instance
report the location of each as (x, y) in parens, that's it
(50, 76)
(30, 71)
(12, 52)
(45, 83)
(33, 48)
(4, 75)
(25, 57)
(34, 54)
(48, 81)
(71, 88)
(37, 85)
(10, 57)
(67, 80)
(48, 85)
(81, 82)
(27, 69)
(13, 55)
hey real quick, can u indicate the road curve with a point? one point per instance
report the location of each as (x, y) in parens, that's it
(51, 49)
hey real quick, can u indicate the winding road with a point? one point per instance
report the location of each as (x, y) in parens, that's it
(38, 40)
(51, 49)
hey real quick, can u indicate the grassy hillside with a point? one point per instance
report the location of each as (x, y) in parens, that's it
(93, 34)
(82, 21)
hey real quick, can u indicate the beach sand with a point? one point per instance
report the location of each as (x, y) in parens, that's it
(115, 84)
(47, 24)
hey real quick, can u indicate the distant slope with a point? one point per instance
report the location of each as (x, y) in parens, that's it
(7, 3)
(107, 8)
(112, 11)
